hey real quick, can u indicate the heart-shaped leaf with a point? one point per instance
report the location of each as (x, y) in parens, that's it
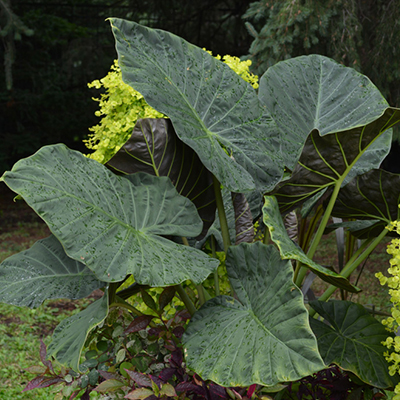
(213, 110)
(44, 272)
(315, 93)
(336, 113)
(326, 161)
(264, 337)
(353, 340)
(110, 223)
(154, 148)
(374, 195)
(70, 335)
(290, 251)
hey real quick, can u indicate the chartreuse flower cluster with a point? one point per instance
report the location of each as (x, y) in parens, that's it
(121, 106)
(393, 322)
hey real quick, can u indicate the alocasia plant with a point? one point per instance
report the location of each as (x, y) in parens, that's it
(314, 128)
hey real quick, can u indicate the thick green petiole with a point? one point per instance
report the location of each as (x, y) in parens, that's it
(353, 263)
(185, 298)
(221, 213)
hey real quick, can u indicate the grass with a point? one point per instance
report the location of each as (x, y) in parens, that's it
(20, 332)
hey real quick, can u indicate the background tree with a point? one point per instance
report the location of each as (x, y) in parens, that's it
(361, 34)
(70, 44)
(53, 49)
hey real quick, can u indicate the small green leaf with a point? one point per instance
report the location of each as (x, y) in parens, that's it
(166, 297)
(139, 394)
(155, 388)
(36, 369)
(102, 345)
(125, 365)
(84, 381)
(88, 364)
(167, 390)
(110, 385)
(120, 356)
(90, 354)
(148, 300)
(153, 349)
(141, 363)
(93, 377)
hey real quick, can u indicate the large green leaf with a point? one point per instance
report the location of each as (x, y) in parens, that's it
(70, 335)
(336, 113)
(154, 148)
(316, 94)
(353, 340)
(264, 336)
(44, 272)
(213, 110)
(374, 195)
(111, 223)
(290, 251)
(328, 160)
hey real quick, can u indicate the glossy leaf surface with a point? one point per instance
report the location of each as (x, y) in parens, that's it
(110, 223)
(290, 251)
(316, 94)
(70, 335)
(353, 340)
(213, 110)
(44, 272)
(374, 195)
(330, 159)
(154, 148)
(264, 336)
